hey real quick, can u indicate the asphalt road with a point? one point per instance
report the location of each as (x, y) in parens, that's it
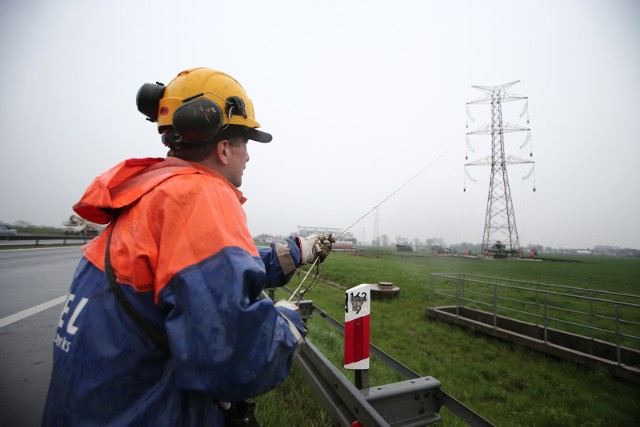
(33, 285)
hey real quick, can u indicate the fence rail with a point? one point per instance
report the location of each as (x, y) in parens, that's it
(23, 239)
(604, 315)
(345, 403)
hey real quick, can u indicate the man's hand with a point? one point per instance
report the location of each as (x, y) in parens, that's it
(315, 246)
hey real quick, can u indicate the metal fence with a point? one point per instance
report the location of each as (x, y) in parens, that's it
(608, 316)
(37, 240)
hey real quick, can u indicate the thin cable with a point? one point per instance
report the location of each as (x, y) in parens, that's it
(303, 279)
(295, 293)
(398, 189)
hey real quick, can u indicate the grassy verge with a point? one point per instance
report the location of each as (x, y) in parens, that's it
(507, 384)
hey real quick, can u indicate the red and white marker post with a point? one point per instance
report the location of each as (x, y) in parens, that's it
(357, 332)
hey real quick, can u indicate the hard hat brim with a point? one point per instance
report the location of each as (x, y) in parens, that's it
(257, 135)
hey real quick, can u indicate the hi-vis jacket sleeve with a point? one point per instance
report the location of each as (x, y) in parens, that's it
(224, 342)
(281, 260)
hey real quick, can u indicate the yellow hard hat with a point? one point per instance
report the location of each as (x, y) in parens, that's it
(206, 102)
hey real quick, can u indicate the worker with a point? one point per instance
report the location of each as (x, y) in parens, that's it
(165, 323)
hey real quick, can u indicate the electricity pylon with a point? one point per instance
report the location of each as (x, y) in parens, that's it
(500, 236)
(376, 231)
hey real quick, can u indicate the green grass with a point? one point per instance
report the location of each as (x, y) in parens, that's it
(508, 384)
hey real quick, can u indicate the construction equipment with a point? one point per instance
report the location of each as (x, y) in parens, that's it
(499, 250)
(80, 227)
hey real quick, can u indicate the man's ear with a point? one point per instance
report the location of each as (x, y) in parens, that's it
(222, 151)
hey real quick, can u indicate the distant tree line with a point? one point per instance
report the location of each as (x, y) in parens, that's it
(416, 243)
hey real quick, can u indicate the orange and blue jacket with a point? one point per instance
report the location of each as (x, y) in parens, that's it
(184, 258)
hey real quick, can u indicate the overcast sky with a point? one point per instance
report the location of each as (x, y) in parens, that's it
(360, 96)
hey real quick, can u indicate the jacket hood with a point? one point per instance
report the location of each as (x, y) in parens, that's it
(125, 183)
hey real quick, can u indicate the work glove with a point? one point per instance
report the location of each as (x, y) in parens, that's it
(289, 311)
(315, 246)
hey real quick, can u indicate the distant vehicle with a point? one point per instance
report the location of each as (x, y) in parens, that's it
(439, 250)
(80, 227)
(404, 248)
(5, 231)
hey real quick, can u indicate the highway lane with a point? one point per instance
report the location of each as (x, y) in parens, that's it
(30, 278)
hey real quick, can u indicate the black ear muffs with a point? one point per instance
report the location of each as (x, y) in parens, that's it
(235, 105)
(148, 99)
(198, 120)
(171, 139)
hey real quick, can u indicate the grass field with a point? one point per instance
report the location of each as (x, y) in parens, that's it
(507, 384)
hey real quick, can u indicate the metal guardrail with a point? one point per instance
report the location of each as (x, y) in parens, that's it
(37, 239)
(414, 402)
(448, 401)
(609, 316)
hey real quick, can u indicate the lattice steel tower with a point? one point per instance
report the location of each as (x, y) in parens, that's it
(500, 236)
(376, 230)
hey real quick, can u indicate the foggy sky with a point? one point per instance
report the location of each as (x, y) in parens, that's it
(360, 97)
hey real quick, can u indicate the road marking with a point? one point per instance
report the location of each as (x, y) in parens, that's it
(31, 311)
